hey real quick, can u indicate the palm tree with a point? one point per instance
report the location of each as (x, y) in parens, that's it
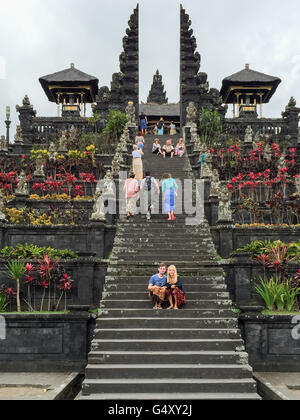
(15, 270)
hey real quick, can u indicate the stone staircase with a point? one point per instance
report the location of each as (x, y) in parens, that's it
(194, 353)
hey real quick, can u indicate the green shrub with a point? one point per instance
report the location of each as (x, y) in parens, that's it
(277, 295)
(116, 123)
(31, 251)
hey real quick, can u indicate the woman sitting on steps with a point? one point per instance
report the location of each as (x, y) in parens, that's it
(175, 293)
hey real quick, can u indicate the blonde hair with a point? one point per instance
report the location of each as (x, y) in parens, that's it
(175, 275)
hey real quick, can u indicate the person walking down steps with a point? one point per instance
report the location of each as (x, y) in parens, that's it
(149, 194)
(169, 188)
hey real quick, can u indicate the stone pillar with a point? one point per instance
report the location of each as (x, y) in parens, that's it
(291, 116)
(225, 228)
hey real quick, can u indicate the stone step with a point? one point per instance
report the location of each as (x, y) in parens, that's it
(139, 286)
(182, 396)
(191, 296)
(204, 278)
(180, 371)
(149, 270)
(168, 345)
(182, 313)
(174, 333)
(147, 304)
(162, 323)
(128, 386)
(168, 358)
(156, 257)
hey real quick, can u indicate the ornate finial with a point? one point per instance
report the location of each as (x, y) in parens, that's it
(292, 102)
(247, 66)
(26, 101)
(72, 66)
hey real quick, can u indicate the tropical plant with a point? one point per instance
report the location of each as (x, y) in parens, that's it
(209, 126)
(115, 124)
(15, 270)
(32, 252)
(277, 294)
(3, 302)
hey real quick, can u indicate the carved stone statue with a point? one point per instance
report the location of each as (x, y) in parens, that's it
(191, 117)
(52, 152)
(206, 169)
(224, 195)
(73, 134)
(39, 171)
(63, 143)
(298, 186)
(130, 114)
(2, 208)
(22, 184)
(19, 136)
(101, 195)
(268, 152)
(249, 134)
(3, 144)
(215, 182)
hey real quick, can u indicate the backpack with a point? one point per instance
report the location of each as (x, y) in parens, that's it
(148, 184)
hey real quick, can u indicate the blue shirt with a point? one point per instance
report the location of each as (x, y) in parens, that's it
(136, 154)
(169, 184)
(157, 281)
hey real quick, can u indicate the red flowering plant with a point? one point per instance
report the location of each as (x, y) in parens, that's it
(65, 285)
(88, 179)
(46, 268)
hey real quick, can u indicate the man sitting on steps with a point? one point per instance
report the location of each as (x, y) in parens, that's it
(158, 286)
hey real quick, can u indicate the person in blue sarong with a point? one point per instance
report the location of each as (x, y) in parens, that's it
(169, 188)
(143, 123)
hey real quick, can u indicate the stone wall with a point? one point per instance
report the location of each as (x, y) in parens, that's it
(46, 343)
(270, 344)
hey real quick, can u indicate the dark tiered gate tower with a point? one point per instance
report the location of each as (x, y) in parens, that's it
(125, 84)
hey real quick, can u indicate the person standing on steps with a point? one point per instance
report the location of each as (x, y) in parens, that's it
(160, 127)
(172, 129)
(158, 286)
(169, 188)
(150, 193)
(175, 293)
(140, 141)
(143, 123)
(131, 189)
(137, 163)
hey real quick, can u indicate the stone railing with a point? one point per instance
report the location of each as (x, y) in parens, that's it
(276, 128)
(44, 129)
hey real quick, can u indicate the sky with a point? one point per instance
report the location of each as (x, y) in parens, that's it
(39, 37)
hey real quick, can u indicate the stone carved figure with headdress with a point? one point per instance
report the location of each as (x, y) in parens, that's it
(224, 195)
(18, 138)
(206, 169)
(63, 143)
(52, 152)
(22, 184)
(3, 144)
(249, 134)
(104, 190)
(191, 115)
(2, 208)
(215, 182)
(130, 114)
(39, 167)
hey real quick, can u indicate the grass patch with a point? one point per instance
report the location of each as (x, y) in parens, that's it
(266, 312)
